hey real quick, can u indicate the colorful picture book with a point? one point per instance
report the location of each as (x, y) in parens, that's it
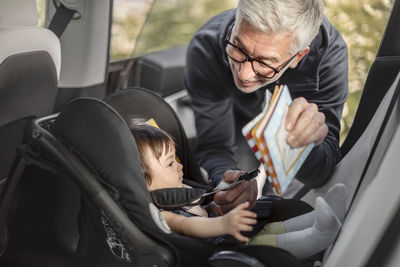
(266, 135)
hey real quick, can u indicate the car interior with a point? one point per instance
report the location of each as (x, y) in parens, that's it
(70, 177)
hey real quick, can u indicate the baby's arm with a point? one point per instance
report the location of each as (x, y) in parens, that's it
(238, 219)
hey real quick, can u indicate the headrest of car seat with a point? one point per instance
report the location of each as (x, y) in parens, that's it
(19, 32)
(101, 137)
(18, 13)
(136, 102)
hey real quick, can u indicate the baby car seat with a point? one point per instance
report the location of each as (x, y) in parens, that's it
(91, 143)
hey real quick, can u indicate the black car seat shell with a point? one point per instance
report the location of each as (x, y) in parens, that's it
(95, 147)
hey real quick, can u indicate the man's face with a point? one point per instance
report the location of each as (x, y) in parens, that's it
(272, 49)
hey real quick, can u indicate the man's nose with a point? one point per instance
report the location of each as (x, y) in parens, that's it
(246, 71)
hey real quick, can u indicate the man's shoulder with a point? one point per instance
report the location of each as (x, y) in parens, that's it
(327, 37)
(306, 76)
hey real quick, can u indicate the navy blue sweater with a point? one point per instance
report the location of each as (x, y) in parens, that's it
(320, 77)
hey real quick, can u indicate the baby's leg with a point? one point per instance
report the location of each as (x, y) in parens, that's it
(312, 240)
(336, 199)
(293, 224)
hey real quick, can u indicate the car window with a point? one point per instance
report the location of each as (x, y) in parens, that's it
(144, 26)
(362, 24)
(41, 7)
(128, 19)
(172, 23)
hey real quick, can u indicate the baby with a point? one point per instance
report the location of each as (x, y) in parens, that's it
(303, 235)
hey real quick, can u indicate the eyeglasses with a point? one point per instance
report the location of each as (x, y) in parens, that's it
(259, 67)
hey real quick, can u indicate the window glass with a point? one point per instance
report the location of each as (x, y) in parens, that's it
(144, 26)
(362, 24)
(129, 17)
(173, 22)
(41, 7)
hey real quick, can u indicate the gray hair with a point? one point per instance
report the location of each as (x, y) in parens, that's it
(301, 17)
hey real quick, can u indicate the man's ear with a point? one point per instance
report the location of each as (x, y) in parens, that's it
(299, 57)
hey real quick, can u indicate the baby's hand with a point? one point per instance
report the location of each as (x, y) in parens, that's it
(239, 219)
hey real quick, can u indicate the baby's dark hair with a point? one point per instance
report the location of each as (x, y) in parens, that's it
(147, 136)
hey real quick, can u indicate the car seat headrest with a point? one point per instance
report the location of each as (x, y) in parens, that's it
(20, 34)
(18, 13)
(97, 133)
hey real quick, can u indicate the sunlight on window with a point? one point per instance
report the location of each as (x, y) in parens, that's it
(41, 7)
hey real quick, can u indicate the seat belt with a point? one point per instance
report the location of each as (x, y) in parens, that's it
(61, 19)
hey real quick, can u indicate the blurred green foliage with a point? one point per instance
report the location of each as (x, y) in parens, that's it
(173, 23)
(362, 24)
(41, 7)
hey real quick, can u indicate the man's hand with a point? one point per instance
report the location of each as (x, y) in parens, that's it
(305, 124)
(245, 191)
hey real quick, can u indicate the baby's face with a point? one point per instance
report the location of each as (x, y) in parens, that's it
(165, 172)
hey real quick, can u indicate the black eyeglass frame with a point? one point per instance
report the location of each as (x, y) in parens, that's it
(252, 59)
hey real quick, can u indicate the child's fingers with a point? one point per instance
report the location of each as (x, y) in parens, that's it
(241, 237)
(247, 213)
(245, 227)
(243, 206)
(248, 221)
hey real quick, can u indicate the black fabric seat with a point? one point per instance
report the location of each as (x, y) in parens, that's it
(94, 146)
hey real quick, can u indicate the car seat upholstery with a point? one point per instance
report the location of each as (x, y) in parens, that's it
(112, 153)
(358, 167)
(351, 168)
(95, 147)
(369, 236)
(29, 69)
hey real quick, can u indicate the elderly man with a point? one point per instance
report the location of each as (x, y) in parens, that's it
(238, 55)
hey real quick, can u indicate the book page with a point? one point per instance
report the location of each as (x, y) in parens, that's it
(286, 160)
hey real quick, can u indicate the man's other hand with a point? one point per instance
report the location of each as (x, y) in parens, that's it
(245, 191)
(305, 124)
